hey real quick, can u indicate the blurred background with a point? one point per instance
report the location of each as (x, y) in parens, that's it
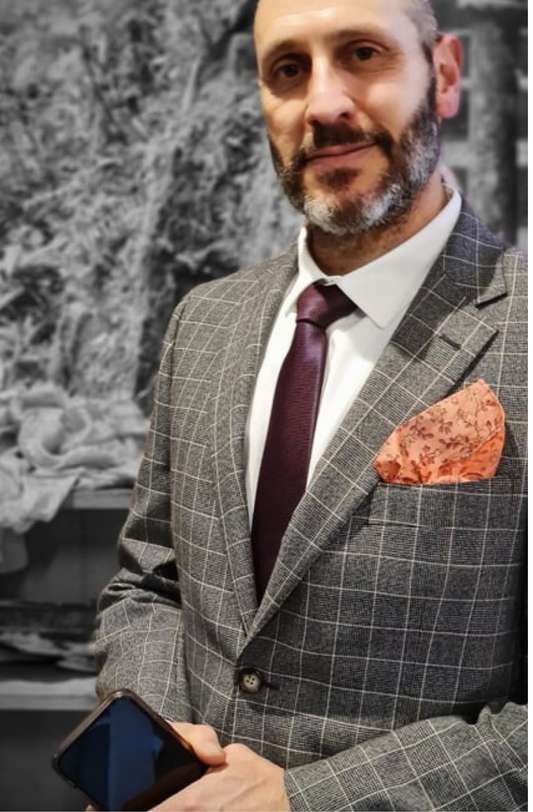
(133, 165)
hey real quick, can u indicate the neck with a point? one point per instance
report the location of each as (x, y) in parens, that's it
(336, 255)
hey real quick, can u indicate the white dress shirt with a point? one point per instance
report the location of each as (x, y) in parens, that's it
(382, 290)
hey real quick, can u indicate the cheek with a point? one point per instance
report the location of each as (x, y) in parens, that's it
(385, 111)
(391, 105)
(284, 125)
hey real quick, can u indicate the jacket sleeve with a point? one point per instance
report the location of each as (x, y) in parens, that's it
(441, 763)
(139, 637)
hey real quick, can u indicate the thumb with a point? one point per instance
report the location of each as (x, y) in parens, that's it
(203, 740)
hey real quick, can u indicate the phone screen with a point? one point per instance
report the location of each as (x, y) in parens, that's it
(125, 759)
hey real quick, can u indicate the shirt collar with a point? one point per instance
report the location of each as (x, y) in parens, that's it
(384, 288)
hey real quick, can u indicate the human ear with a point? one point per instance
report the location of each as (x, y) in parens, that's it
(447, 61)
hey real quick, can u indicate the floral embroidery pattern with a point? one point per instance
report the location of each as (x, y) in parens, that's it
(458, 439)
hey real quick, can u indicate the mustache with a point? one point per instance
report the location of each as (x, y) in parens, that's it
(336, 135)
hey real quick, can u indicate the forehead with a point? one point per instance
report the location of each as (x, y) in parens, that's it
(278, 20)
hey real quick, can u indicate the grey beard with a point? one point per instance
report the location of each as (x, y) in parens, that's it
(384, 207)
(412, 160)
(368, 214)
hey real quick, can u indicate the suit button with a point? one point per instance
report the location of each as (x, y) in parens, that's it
(250, 680)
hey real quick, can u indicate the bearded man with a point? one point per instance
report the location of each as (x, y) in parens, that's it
(322, 571)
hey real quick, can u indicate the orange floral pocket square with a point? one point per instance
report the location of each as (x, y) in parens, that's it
(458, 439)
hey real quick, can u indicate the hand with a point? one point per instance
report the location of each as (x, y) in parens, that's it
(242, 782)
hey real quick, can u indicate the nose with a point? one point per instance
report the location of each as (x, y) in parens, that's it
(328, 97)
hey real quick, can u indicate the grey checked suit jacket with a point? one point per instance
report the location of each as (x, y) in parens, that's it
(390, 637)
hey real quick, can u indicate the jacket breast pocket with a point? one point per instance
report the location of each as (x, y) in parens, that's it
(441, 564)
(468, 522)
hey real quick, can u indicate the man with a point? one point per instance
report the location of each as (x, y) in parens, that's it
(375, 662)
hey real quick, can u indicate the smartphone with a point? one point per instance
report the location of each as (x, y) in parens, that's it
(124, 755)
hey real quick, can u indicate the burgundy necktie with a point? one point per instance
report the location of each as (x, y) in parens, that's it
(285, 463)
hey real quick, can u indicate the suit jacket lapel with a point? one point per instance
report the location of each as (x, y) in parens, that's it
(429, 356)
(240, 359)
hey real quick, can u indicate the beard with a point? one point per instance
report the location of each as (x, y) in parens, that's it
(411, 160)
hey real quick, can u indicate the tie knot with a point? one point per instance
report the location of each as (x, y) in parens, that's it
(323, 304)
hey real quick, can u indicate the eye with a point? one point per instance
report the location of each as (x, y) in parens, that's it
(288, 71)
(285, 74)
(364, 52)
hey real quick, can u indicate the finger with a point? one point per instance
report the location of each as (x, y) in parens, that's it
(203, 740)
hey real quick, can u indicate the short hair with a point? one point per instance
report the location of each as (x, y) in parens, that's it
(422, 14)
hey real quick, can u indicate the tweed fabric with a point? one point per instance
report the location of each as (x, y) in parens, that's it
(390, 636)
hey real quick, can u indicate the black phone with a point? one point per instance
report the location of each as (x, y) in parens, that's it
(124, 756)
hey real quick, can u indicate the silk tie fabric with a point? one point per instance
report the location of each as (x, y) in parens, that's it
(285, 462)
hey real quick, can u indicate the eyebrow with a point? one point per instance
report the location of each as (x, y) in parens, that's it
(291, 45)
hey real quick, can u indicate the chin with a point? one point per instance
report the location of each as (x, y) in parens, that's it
(356, 214)
(334, 185)
(350, 197)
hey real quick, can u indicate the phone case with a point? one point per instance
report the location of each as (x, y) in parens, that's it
(190, 769)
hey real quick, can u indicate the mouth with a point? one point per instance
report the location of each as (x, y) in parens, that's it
(336, 153)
